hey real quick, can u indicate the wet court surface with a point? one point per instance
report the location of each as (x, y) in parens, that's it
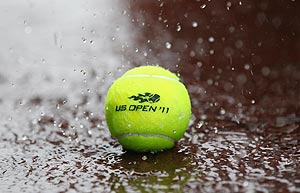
(244, 134)
(68, 148)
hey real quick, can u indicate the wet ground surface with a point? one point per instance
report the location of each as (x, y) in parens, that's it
(244, 134)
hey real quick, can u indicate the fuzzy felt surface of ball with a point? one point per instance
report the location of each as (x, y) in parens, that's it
(147, 109)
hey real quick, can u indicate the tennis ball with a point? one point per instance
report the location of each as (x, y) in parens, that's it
(147, 109)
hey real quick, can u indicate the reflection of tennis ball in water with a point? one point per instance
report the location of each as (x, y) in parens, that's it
(147, 109)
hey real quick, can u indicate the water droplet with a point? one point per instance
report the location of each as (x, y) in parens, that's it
(203, 6)
(91, 42)
(24, 137)
(194, 24)
(200, 40)
(21, 102)
(192, 54)
(210, 81)
(199, 64)
(83, 39)
(245, 184)
(211, 39)
(216, 130)
(265, 71)
(174, 131)
(247, 67)
(200, 124)
(277, 22)
(63, 80)
(222, 111)
(239, 44)
(168, 45)
(181, 115)
(144, 158)
(231, 29)
(129, 124)
(241, 79)
(178, 28)
(253, 101)
(228, 5)
(228, 52)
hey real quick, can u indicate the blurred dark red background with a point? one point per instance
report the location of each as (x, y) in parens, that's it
(248, 50)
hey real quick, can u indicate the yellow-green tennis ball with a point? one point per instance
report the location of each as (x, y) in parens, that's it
(147, 109)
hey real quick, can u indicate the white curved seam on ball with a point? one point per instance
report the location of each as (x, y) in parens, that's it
(145, 135)
(151, 76)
